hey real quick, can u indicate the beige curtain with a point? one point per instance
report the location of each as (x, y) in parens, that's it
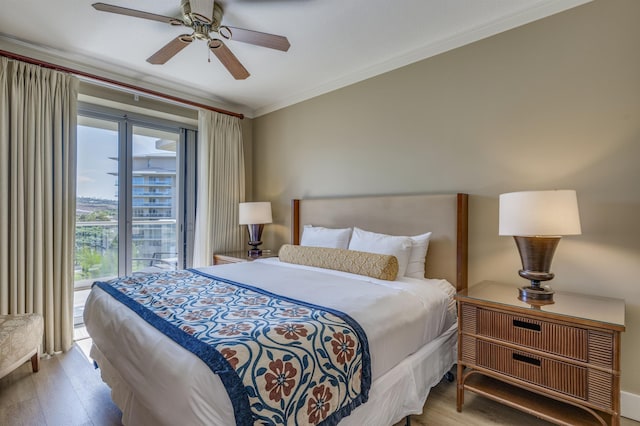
(37, 196)
(221, 186)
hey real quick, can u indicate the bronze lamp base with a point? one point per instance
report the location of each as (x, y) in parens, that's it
(255, 233)
(535, 293)
(536, 254)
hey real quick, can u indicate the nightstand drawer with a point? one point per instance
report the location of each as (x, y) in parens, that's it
(588, 384)
(221, 260)
(559, 376)
(240, 256)
(558, 339)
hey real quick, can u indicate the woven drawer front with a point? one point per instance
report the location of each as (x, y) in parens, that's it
(545, 336)
(559, 376)
(600, 388)
(468, 351)
(601, 348)
(468, 316)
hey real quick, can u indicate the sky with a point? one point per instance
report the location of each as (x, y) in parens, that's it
(95, 147)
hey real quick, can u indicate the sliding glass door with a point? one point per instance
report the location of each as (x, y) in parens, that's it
(154, 199)
(97, 201)
(134, 183)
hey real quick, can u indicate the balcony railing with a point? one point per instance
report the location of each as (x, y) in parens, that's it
(141, 192)
(138, 203)
(163, 215)
(96, 248)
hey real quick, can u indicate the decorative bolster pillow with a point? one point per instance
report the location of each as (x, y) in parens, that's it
(380, 266)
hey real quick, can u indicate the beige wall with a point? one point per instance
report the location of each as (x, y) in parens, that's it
(553, 104)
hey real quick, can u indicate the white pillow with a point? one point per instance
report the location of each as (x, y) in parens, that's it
(317, 236)
(419, 246)
(372, 242)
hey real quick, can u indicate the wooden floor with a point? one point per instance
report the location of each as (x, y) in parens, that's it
(66, 391)
(69, 391)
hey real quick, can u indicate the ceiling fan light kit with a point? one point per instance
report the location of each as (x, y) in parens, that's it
(204, 17)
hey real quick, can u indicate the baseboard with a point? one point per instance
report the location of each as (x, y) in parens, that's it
(630, 405)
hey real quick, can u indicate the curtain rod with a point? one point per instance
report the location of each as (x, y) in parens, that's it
(49, 65)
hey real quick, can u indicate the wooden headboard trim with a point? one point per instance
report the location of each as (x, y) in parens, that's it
(462, 247)
(295, 222)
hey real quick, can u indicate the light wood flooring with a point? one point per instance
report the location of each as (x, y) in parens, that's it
(69, 391)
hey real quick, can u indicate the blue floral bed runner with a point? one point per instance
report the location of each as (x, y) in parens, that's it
(282, 361)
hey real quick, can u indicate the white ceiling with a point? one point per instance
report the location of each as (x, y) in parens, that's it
(334, 43)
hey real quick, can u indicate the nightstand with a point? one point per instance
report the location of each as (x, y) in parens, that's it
(240, 256)
(559, 362)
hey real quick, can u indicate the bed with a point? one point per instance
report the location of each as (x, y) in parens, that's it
(408, 326)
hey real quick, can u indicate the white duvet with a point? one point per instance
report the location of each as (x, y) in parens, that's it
(398, 317)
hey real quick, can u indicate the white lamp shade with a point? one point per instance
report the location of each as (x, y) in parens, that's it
(255, 213)
(539, 213)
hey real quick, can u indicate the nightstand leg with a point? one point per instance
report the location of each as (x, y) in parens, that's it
(460, 389)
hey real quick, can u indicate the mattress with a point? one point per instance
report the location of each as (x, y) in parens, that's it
(154, 378)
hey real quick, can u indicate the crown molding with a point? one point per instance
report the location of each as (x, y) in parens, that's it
(536, 12)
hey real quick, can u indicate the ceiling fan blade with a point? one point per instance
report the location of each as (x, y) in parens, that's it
(170, 49)
(228, 59)
(254, 37)
(103, 7)
(203, 9)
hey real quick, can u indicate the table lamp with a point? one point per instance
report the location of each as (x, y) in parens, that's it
(255, 215)
(537, 220)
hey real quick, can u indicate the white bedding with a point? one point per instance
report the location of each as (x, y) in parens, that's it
(399, 318)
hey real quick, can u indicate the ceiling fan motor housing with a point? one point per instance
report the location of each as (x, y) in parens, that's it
(194, 14)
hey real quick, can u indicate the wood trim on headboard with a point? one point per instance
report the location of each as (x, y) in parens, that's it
(461, 240)
(295, 222)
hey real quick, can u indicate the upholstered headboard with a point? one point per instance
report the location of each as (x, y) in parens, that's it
(445, 215)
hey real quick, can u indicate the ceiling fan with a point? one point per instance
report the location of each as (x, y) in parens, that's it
(204, 17)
